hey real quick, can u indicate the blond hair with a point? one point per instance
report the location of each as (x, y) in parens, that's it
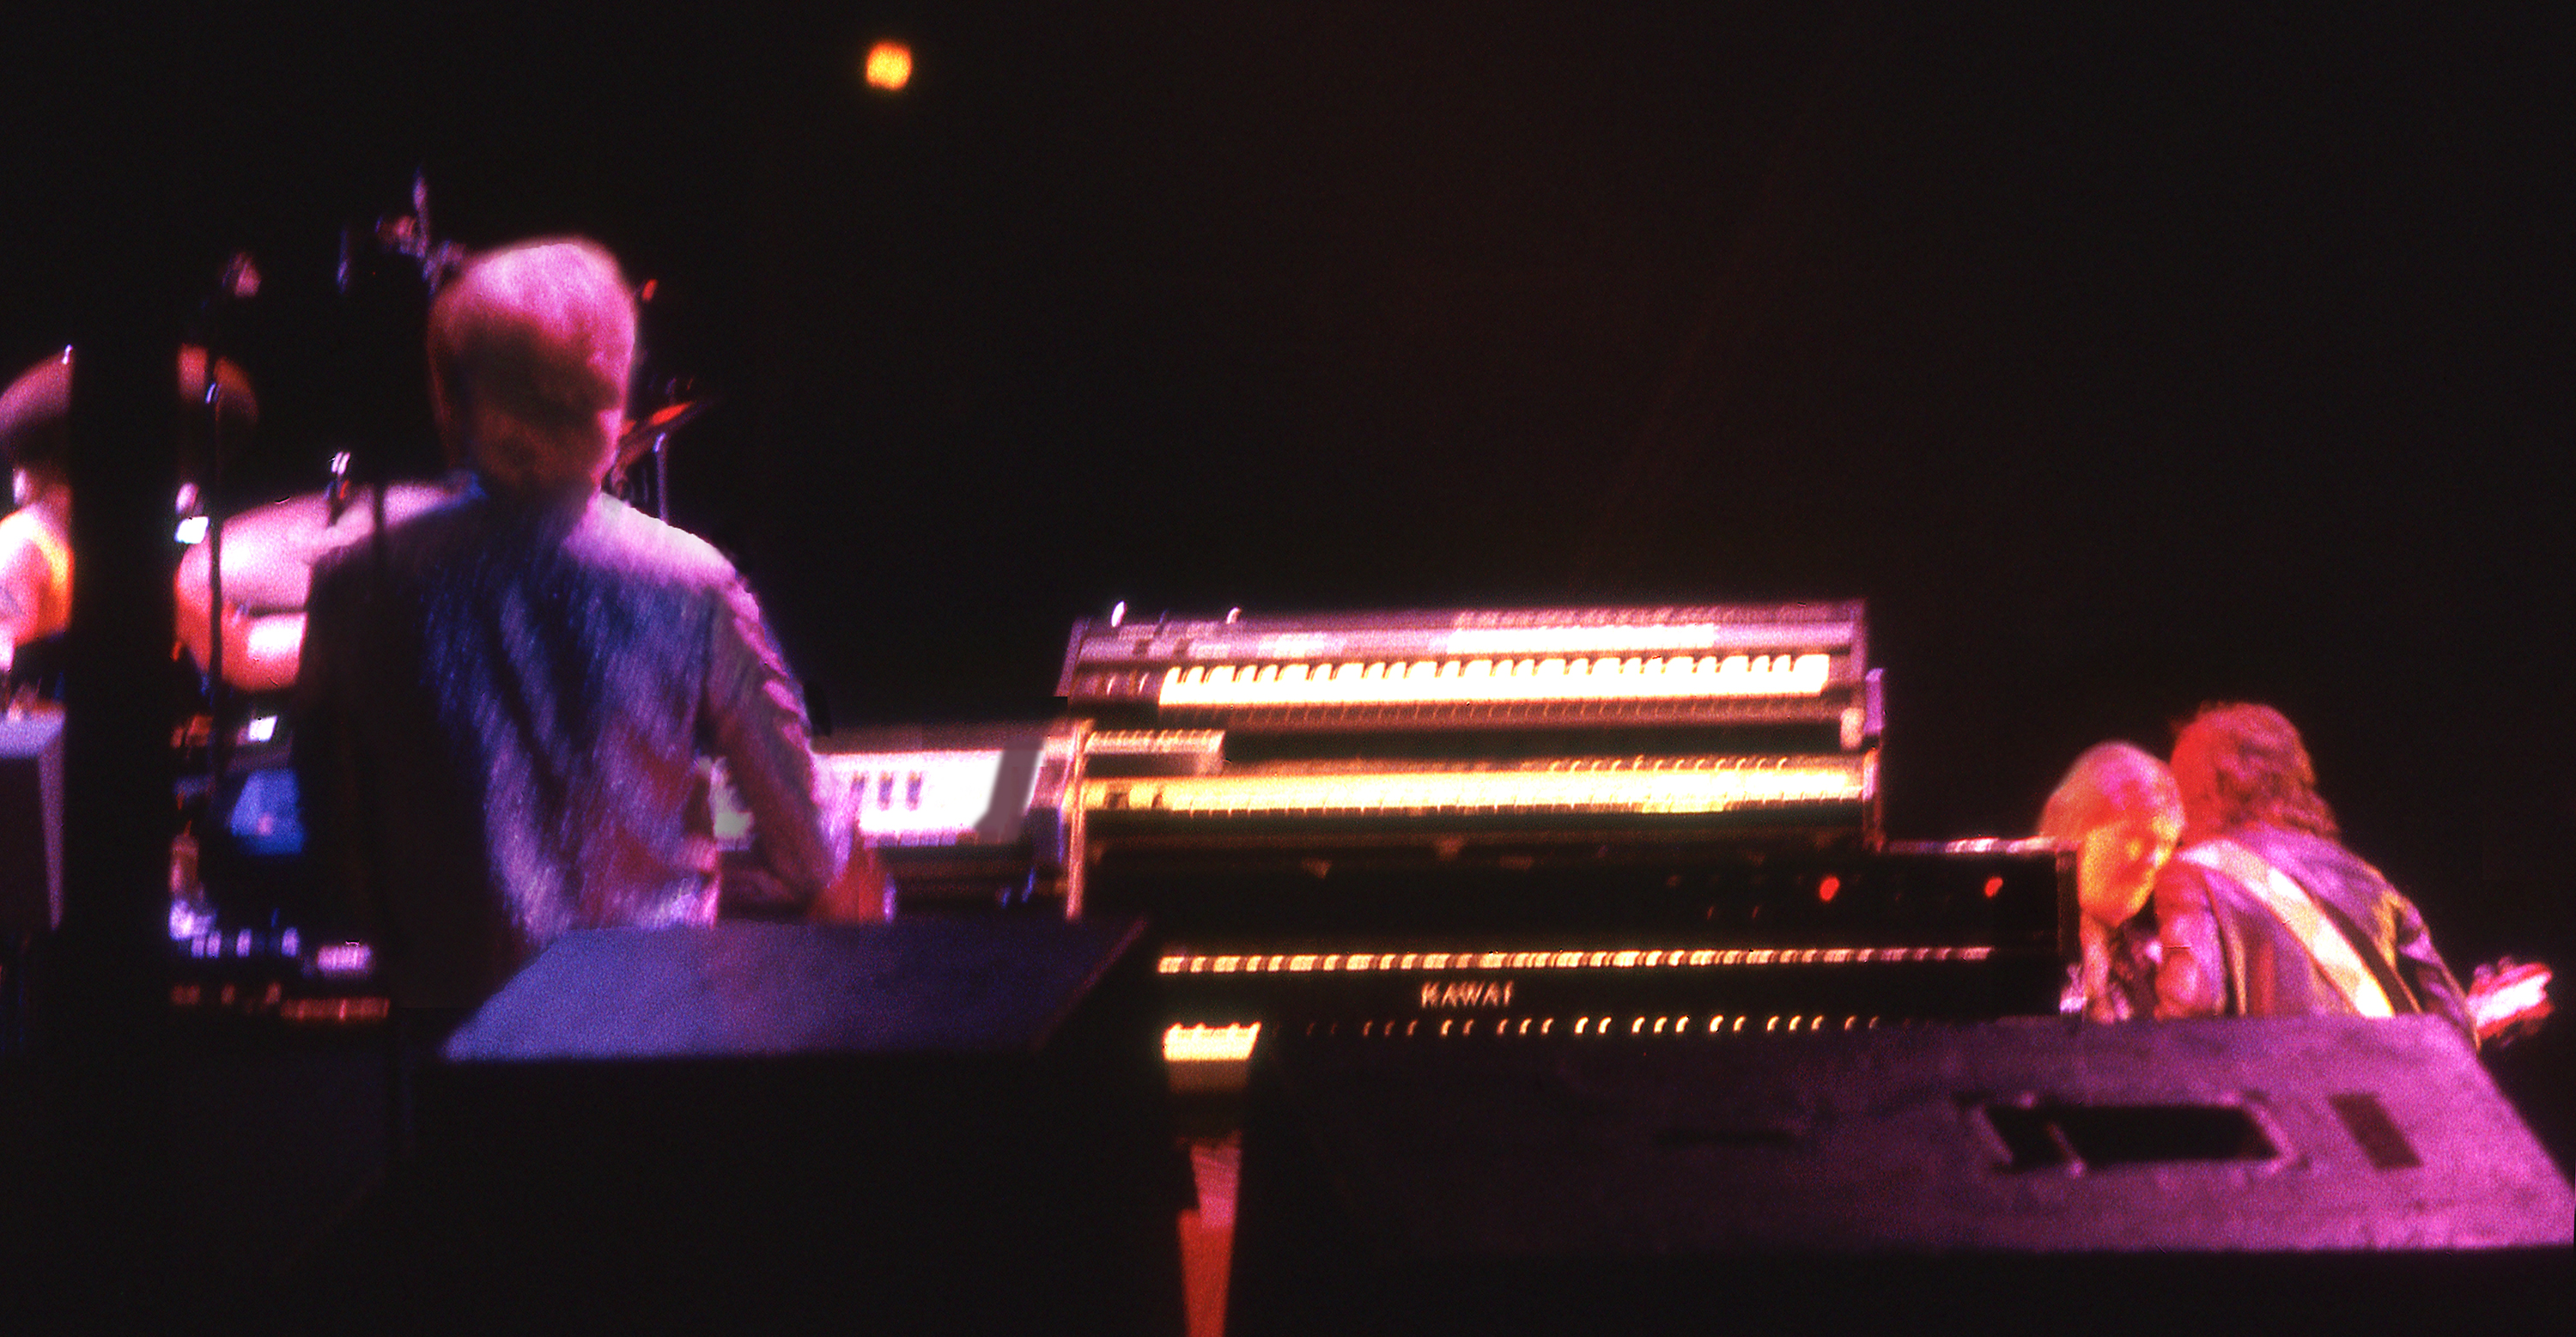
(2108, 779)
(529, 349)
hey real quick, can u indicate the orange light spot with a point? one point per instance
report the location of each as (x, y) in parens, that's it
(1205, 1044)
(889, 66)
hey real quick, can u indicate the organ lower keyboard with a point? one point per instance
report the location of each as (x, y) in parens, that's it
(1552, 787)
(1446, 823)
(1627, 938)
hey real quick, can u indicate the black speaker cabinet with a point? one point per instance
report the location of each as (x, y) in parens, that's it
(943, 1126)
(2260, 1175)
(31, 822)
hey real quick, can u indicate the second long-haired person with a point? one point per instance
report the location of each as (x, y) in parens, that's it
(2264, 912)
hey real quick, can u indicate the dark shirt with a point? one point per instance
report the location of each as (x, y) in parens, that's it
(2122, 986)
(2227, 954)
(501, 709)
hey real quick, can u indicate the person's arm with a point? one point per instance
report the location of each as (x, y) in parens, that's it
(756, 719)
(2191, 980)
(2434, 986)
(858, 895)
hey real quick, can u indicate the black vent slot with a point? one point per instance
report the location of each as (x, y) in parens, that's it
(2380, 1138)
(2047, 1134)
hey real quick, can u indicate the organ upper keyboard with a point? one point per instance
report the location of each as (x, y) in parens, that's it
(1532, 719)
(1748, 665)
(1497, 681)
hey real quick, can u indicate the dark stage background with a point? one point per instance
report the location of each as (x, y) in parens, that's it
(2121, 361)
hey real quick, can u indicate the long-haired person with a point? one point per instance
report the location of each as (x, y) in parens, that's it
(2264, 912)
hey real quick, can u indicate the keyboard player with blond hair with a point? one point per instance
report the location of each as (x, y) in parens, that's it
(503, 700)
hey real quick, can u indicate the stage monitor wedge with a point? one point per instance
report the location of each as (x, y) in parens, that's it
(1999, 1171)
(949, 1125)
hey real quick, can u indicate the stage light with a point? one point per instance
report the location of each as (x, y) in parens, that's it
(889, 66)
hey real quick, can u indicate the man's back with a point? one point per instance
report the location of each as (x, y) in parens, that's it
(501, 707)
(2227, 954)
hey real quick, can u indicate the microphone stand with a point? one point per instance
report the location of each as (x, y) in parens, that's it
(240, 282)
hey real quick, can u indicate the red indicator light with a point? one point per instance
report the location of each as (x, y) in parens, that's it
(1994, 887)
(1825, 890)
